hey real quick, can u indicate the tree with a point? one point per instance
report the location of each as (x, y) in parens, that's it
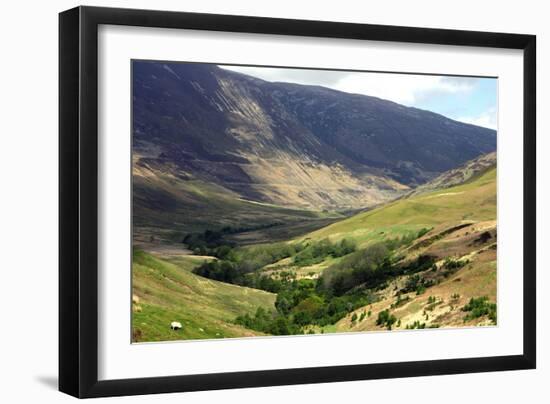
(282, 304)
(280, 326)
(386, 319)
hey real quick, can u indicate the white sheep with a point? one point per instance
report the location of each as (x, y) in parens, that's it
(175, 325)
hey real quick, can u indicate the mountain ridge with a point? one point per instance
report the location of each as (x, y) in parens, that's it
(289, 144)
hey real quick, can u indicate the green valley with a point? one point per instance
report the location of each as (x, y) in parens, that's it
(298, 206)
(416, 262)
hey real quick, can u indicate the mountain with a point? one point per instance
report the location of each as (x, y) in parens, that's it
(266, 208)
(467, 172)
(304, 147)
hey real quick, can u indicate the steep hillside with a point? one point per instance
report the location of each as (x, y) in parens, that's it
(167, 206)
(465, 268)
(286, 144)
(468, 171)
(164, 292)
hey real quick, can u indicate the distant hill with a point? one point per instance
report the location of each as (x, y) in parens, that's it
(468, 171)
(297, 146)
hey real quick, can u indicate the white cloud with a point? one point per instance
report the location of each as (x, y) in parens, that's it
(487, 119)
(405, 89)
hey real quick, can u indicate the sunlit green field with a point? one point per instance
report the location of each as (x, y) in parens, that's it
(474, 201)
(167, 292)
(166, 289)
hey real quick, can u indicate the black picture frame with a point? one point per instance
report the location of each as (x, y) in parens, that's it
(78, 201)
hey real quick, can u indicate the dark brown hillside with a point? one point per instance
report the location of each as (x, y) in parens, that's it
(296, 146)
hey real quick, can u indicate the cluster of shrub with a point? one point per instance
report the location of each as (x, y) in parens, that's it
(420, 326)
(316, 252)
(302, 303)
(416, 325)
(386, 319)
(370, 268)
(355, 317)
(400, 301)
(269, 323)
(478, 307)
(418, 284)
(209, 241)
(451, 265)
(238, 265)
(432, 303)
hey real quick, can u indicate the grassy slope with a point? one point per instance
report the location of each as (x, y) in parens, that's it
(473, 201)
(473, 204)
(168, 292)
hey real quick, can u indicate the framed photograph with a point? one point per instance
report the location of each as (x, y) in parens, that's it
(252, 202)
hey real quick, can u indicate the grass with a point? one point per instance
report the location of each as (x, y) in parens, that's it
(169, 292)
(470, 202)
(475, 201)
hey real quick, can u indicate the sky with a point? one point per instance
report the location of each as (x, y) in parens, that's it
(467, 99)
